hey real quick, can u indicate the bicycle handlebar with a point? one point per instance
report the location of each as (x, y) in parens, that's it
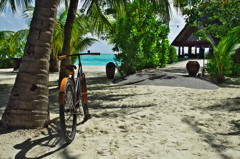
(79, 54)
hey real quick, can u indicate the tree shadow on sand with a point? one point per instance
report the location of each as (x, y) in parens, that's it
(4, 96)
(53, 97)
(214, 139)
(230, 105)
(210, 139)
(41, 147)
(45, 146)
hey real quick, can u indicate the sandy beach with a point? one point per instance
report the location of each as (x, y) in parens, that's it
(156, 114)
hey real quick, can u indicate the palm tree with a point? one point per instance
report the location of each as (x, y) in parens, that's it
(28, 102)
(77, 43)
(67, 37)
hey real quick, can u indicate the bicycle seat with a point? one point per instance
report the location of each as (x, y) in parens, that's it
(70, 67)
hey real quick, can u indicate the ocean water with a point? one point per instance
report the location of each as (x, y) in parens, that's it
(97, 60)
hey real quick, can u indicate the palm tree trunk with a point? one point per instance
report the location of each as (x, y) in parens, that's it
(28, 104)
(54, 66)
(67, 37)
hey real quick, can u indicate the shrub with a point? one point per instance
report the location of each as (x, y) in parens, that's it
(140, 38)
(172, 55)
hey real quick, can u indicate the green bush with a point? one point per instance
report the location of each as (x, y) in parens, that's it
(235, 70)
(140, 38)
(220, 69)
(6, 63)
(172, 55)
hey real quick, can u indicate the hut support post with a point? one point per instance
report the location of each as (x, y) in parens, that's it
(183, 52)
(189, 52)
(179, 50)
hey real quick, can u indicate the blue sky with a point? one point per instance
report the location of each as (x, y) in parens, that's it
(14, 22)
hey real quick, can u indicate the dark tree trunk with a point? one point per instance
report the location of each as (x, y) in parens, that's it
(28, 105)
(67, 37)
(54, 66)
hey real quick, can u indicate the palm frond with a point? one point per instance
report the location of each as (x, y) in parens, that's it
(83, 43)
(17, 40)
(228, 43)
(28, 14)
(14, 4)
(95, 14)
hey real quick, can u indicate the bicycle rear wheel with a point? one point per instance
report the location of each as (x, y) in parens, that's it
(67, 111)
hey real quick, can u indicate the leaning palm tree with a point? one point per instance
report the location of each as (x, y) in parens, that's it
(67, 36)
(78, 41)
(28, 102)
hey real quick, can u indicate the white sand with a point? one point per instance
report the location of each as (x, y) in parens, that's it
(135, 122)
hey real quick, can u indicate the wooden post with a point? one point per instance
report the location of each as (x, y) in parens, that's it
(183, 52)
(201, 52)
(196, 52)
(179, 51)
(189, 52)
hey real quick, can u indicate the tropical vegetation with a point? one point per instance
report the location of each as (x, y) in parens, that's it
(221, 20)
(11, 46)
(79, 41)
(28, 105)
(28, 102)
(12, 43)
(140, 35)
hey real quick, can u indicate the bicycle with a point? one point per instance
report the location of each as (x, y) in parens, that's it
(73, 95)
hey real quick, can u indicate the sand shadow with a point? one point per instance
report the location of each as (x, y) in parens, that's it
(53, 96)
(235, 129)
(52, 141)
(229, 105)
(209, 138)
(4, 96)
(233, 82)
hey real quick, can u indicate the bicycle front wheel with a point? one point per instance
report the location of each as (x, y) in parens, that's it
(67, 111)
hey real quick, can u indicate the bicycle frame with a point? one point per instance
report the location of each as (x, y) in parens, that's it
(77, 83)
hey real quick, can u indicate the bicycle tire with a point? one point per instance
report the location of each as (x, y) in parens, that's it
(83, 109)
(67, 112)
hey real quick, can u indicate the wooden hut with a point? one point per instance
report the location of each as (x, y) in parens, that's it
(196, 47)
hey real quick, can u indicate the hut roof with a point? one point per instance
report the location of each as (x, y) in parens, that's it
(186, 38)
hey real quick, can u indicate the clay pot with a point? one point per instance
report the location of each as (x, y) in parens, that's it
(192, 67)
(110, 70)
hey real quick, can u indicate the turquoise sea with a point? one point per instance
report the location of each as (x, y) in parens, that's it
(95, 60)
